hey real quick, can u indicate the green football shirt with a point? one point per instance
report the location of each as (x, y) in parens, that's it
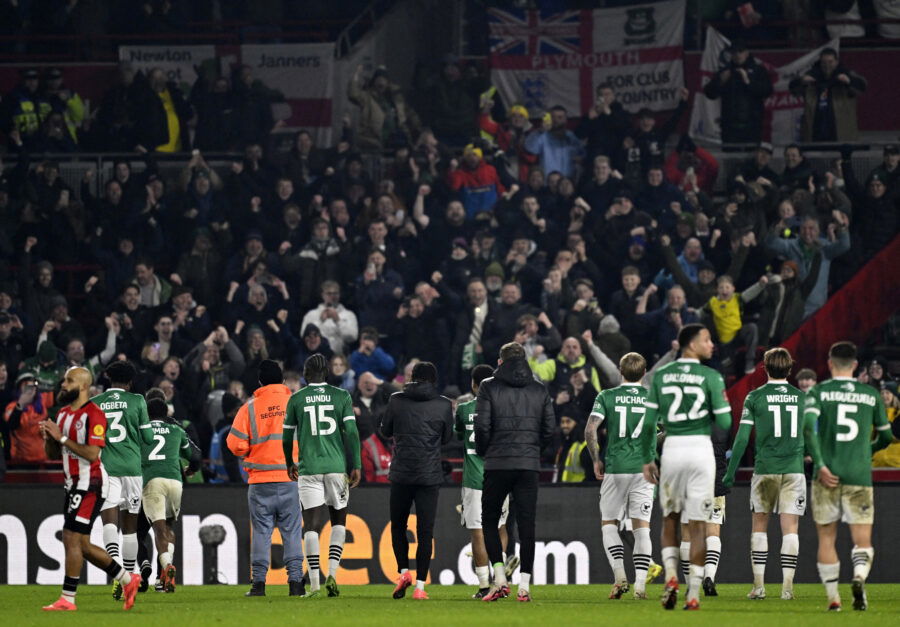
(321, 417)
(473, 464)
(163, 457)
(625, 412)
(687, 397)
(128, 428)
(775, 410)
(846, 412)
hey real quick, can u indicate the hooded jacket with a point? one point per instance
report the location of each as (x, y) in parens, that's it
(514, 418)
(421, 421)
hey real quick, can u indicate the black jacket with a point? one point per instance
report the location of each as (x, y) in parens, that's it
(742, 103)
(421, 421)
(514, 418)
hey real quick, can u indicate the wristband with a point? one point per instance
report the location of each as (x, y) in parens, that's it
(63, 440)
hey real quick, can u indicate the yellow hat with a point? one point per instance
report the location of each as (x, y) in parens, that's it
(471, 149)
(521, 110)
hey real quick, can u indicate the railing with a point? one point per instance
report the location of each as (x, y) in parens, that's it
(104, 47)
(808, 26)
(31, 48)
(356, 29)
(72, 166)
(866, 156)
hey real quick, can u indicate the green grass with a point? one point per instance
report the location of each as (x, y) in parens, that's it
(449, 605)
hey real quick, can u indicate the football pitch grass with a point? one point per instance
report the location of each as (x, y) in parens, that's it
(449, 605)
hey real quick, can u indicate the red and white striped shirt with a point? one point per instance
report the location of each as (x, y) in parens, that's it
(85, 425)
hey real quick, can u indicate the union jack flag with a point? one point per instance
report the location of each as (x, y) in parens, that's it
(520, 32)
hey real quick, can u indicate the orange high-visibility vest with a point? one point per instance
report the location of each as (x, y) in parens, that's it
(255, 434)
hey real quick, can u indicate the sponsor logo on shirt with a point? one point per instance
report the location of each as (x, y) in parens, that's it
(98, 430)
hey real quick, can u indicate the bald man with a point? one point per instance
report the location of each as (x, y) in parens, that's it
(76, 437)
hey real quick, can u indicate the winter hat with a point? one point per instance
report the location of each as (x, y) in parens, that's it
(472, 149)
(270, 372)
(518, 109)
(494, 269)
(460, 242)
(46, 352)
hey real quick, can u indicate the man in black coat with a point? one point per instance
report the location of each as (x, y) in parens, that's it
(420, 421)
(743, 84)
(604, 125)
(514, 420)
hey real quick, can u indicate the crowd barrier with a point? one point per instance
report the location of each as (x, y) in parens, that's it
(569, 542)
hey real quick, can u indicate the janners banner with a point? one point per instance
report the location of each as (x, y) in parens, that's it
(303, 73)
(783, 110)
(543, 58)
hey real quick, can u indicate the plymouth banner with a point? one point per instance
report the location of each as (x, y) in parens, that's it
(541, 59)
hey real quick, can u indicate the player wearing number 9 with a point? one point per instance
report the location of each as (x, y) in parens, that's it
(846, 411)
(687, 397)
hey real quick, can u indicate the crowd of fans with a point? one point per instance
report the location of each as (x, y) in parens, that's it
(580, 239)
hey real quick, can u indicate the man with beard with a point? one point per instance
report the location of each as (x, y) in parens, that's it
(438, 234)
(802, 251)
(506, 320)
(558, 148)
(77, 436)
